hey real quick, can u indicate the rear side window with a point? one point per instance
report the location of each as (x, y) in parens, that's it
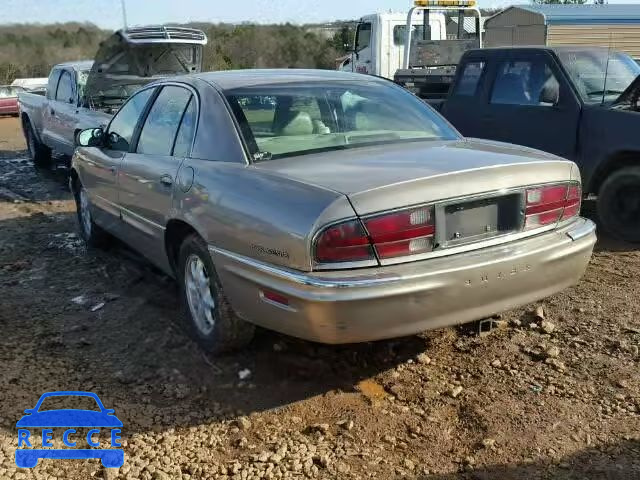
(160, 127)
(53, 83)
(124, 123)
(187, 129)
(525, 82)
(470, 79)
(65, 88)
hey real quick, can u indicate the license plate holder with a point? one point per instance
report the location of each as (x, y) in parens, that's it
(475, 220)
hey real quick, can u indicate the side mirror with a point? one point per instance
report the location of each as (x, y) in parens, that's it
(29, 410)
(71, 100)
(109, 411)
(91, 137)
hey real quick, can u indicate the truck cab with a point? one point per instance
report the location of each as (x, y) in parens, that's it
(380, 39)
(580, 103)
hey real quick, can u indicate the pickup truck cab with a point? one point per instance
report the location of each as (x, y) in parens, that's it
(51, 120)
(380, 41)
(85, 94)
(580, 103)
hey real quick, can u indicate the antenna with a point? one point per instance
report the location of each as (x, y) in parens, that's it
(606, 72)
(124, 14)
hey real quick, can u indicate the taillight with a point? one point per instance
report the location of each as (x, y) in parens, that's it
(407, 232)
(550, 204)
(344, 242)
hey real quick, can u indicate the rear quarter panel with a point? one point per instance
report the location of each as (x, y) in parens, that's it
(246, 211)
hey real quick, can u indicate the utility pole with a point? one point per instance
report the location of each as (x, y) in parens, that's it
(124, 14)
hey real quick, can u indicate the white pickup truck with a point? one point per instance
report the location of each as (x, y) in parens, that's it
(86, 94)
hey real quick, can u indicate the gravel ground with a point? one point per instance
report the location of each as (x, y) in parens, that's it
(534, 399)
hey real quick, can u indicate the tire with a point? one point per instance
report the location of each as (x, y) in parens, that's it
(39, 153)
(619, 204)
(208, 315)
(92, 234)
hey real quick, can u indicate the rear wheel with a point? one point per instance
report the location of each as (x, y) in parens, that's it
(619, 204)
(92, 234)
(207, 312)
(39, 153)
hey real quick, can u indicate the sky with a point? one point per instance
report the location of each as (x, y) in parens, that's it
(108, 13)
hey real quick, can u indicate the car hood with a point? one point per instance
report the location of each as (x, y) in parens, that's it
(69, 418)
(396, 175)
(631, 92)
(140, 55)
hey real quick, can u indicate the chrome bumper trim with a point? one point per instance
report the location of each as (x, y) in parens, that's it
(577, 230)
(303, 279)
(587, 227)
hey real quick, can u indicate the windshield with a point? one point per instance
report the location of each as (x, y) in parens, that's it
(293, 119)
(10, 91)
(591, 69)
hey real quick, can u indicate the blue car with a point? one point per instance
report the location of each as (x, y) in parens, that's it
(70, 419)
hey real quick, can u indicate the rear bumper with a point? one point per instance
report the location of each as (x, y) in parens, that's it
(393, 301)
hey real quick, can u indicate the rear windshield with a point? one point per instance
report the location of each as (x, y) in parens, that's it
(10, 91)
(297, 118)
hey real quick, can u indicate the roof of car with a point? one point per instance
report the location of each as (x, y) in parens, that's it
(80, 65)
(609, 13)
(230, 79)
(563, 48)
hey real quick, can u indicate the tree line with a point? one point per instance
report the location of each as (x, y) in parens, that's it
(31, 50)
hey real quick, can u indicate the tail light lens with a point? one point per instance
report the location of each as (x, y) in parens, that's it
(550, 204)
(344, 242)
(408, 232)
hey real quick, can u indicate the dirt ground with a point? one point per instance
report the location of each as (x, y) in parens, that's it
(559, 400)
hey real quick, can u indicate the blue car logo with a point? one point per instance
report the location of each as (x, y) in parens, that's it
(68, 419)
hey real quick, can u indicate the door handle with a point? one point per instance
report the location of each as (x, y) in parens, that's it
(166, 180)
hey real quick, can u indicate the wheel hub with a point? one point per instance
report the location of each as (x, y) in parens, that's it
(199, 297)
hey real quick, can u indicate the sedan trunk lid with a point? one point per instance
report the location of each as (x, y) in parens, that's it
(393, 176)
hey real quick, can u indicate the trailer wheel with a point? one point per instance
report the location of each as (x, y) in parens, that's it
(619, 204)
(39, 153)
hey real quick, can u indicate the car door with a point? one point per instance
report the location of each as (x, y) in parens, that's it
(60, 110)
(46, 134)
(100, 164)
(363, 56)
(466, 105)
(64, 112)
(530, 103)
(148, 175)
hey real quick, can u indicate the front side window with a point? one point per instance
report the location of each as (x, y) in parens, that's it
(124, 122)
(529, 82)
(363, 36)
(470, 79)
(298, 118)
(65, 88)
(599, 74)
(160, 127)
